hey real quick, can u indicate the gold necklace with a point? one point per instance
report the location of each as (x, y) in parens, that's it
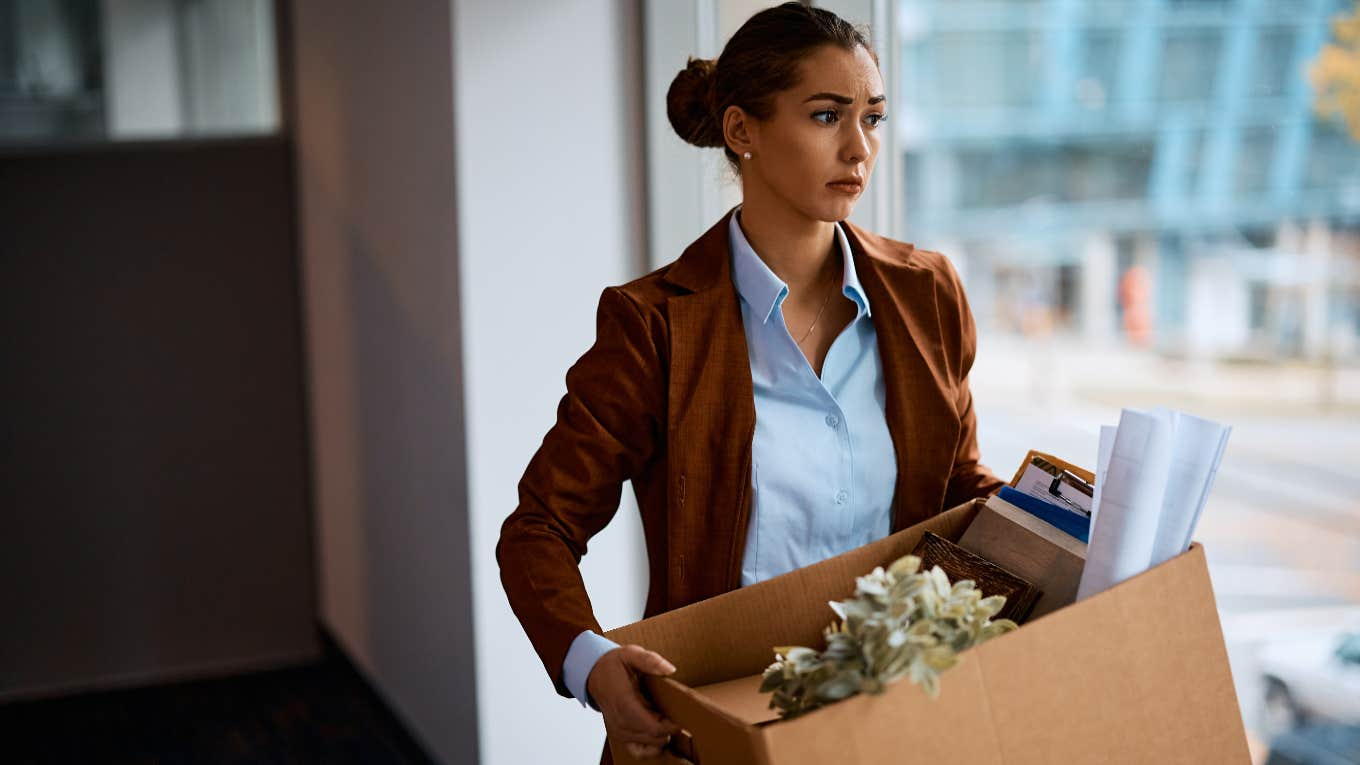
(829, 290)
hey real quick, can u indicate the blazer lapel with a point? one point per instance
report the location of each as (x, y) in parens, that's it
(711, 419)
(919, 406)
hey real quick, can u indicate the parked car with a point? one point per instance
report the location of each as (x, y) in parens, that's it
(1330, 744)
(1312, 680)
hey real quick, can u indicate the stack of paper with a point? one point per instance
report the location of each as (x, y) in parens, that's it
(1153, 474)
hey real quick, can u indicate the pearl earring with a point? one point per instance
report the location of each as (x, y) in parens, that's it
(747, 155)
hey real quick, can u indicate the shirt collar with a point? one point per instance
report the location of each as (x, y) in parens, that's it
(764, 291)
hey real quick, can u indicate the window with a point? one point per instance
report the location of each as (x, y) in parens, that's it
(1100, 67)
(84, 70)
(1274, 72)
(988, 69)
(1017, 172)
(1254, 156)
(1189, 65)
(1333, 157)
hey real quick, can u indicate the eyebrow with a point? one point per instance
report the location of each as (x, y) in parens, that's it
(840, 99)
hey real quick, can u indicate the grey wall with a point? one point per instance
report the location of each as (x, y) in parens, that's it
(375, 161)
(153, 479)
(551, 209)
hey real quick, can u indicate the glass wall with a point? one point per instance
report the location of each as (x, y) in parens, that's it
(1149, 208)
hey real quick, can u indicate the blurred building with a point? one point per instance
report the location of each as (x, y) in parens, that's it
(1150, 170)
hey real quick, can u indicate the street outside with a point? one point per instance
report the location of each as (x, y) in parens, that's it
(1281, 530)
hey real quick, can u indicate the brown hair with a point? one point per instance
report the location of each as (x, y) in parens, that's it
(759, 61)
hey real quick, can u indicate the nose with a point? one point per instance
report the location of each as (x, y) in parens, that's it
(857, 147)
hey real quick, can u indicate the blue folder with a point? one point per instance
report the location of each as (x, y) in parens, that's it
(1065, 520)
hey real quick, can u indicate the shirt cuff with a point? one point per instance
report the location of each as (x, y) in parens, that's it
(585, 650)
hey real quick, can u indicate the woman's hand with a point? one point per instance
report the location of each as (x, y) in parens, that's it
(615, 687)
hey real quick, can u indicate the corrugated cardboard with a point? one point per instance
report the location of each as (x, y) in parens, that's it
(1029, 548)
(1136, 674)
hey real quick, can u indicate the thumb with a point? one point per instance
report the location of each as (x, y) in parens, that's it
(652, 663)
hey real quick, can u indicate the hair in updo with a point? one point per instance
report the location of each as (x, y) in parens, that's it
(759, 61)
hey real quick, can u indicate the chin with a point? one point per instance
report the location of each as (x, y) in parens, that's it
(828, 207)
(836, 210)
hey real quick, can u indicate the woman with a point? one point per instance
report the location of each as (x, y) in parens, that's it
(790, 388)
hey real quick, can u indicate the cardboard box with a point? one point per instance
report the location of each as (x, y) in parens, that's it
(1136, 674)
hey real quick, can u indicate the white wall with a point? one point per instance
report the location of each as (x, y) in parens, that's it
(375, 169)
(550, 211)
(423, 305)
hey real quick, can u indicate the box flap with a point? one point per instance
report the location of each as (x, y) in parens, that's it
(741, 698)
(732, 635)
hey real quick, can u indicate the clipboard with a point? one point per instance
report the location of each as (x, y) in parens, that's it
(1080, 472)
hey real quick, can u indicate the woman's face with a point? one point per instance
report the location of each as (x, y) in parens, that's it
(823, 130)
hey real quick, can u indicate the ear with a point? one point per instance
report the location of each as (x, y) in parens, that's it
(740, 130)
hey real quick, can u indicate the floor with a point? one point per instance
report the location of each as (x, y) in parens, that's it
(318, 713)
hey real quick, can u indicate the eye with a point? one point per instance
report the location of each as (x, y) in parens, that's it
(879, 119)
(828, 112)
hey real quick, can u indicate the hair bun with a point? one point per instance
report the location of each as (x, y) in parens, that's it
(689, 104)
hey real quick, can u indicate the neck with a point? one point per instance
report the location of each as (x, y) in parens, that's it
(799, 250)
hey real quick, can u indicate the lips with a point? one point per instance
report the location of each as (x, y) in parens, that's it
(849, 185)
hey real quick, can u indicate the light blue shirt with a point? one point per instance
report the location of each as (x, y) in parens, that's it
(823, 468)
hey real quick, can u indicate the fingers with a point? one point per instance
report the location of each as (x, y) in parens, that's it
(635, 722)
(642, 752)
(643, 660)
(638, 722)
(643, 740)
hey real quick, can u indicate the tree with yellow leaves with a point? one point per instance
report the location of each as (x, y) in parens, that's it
(1335, 73)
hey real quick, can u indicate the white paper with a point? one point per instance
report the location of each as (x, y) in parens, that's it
(1195, 455)
(1103, 453)
(1153, 476)
(1130, 501)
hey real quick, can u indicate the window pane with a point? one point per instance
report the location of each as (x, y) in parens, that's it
(1100, 67)
(80, 70)
(1333, 159)
(1189, 64)
(1255, 154)
(50, 75)
(1275, 72)
(1016, 173)
(988, 69)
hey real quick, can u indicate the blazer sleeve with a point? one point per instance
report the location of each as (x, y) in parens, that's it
(969, 477)
(607, 428)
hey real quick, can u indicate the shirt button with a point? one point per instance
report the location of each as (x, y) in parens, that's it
(841, 496)
(832, 420)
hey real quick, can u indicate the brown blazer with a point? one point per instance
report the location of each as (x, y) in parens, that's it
(664, 398)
